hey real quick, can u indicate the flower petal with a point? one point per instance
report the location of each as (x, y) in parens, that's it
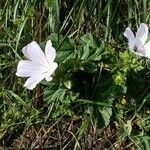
(142, 34)
(50, 52)
(130, 36)
(33, 81)
(52, 68)
(139, 54)
(147, 49)
(27, 68)
(33, 52)
(48, 78)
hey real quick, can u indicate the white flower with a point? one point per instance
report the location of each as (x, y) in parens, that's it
(39, 65)
(137, 43)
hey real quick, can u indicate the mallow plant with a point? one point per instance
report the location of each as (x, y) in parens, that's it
(87, 76)
(41, 65)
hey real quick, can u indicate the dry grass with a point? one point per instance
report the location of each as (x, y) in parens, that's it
(62, 135)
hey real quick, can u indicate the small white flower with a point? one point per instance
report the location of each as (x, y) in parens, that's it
(137, 43)
(39, 65)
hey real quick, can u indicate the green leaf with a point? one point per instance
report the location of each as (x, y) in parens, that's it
(126, 129)
(87, 40)
(89, 67)
(106, 113)
(61, 43)
(62, 99)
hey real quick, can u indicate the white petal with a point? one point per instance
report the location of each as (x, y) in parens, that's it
(50, 52)
(27, 68)
(130, 36)
(33, 81)
(52, 68)
(139, 46)
(147, 49)
(33, 52)
(142, 33)
(48, 78)
(139, 54)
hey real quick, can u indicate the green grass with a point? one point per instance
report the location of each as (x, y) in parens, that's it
(76, 24)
